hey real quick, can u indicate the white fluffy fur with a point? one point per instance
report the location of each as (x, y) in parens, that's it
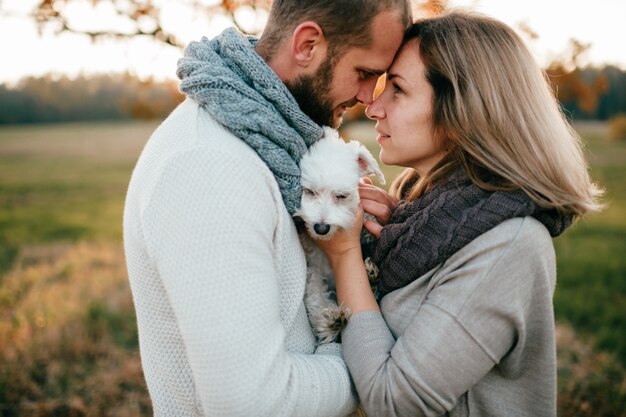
(331, 170)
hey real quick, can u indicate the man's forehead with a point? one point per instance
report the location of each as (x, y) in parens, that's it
(371, 61)
(387, 30)
(387, 33)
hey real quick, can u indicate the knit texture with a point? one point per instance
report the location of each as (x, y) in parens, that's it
(423, 233)
(217, 275)
(474, 337)
(237, 87)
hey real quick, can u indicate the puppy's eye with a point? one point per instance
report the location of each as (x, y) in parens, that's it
(308, 192)
(341, 196)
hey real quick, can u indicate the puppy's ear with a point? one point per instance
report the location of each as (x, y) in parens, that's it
(368, 165)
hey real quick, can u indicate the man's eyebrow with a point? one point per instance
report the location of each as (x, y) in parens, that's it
(372, 71)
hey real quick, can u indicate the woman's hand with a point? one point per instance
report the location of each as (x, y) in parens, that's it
(344, 253)
(344, 241)
(378, 203)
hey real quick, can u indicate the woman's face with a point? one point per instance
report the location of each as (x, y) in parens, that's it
(403, 115)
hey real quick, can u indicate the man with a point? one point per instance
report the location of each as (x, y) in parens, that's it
(214, 261)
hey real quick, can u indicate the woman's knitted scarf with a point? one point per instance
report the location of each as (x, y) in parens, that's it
(424, 233)
(235, 85)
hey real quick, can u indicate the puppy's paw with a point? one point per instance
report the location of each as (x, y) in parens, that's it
(331, 321)
(372, 270)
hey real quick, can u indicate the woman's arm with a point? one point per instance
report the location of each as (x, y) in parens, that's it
(464, 328)
(344, 254)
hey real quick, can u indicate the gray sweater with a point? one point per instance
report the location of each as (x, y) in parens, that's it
(472, 337)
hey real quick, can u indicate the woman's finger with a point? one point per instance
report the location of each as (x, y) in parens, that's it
(381, 211)
(373, 227)
(372, 192)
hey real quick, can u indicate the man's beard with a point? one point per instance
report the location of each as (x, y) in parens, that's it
(312, 93)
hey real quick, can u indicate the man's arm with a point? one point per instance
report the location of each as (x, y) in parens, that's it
(212, 242)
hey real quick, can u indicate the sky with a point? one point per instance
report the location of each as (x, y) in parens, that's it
(26, 53)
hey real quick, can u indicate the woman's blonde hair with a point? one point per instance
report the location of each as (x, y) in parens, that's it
(496, 113)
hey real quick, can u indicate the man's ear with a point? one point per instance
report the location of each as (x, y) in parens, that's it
(308, 46)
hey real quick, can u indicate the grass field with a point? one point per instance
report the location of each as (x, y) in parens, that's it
(67, 332)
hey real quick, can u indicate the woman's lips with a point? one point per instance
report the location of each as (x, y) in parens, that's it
(381, 137)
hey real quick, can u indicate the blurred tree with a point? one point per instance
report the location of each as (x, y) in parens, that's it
(138, 17)
(132, 18)
(152, 99)
(97, 97)
(568, 82)
(146, 17)
(430, 7)
(613, 101)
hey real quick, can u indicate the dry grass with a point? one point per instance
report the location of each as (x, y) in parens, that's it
(69, 336)
(97, 141)
(591, 383)
(617, 127)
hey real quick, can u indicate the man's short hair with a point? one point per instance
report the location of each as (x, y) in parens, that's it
(345, 23)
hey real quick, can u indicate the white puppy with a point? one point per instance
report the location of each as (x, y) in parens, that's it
(330, 169)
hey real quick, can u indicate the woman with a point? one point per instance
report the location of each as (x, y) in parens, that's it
(466, 262)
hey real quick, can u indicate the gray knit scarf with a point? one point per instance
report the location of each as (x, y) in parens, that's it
(235, 85)
(424, 233)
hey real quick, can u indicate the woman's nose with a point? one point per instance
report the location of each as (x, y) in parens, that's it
(375, 110)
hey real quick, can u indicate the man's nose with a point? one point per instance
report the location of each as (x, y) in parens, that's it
(366, 93)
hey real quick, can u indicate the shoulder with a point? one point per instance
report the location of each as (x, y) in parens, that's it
(519, 238)
(190, 147)
(519, 252)
(193, 172)
(190, 127)
(514, 259)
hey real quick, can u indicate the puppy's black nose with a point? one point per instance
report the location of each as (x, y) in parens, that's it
(321, 229)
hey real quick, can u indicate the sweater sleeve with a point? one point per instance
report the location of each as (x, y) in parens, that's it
(459, 334)
(212, 243)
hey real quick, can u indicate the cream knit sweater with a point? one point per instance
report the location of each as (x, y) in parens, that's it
(217, 275)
